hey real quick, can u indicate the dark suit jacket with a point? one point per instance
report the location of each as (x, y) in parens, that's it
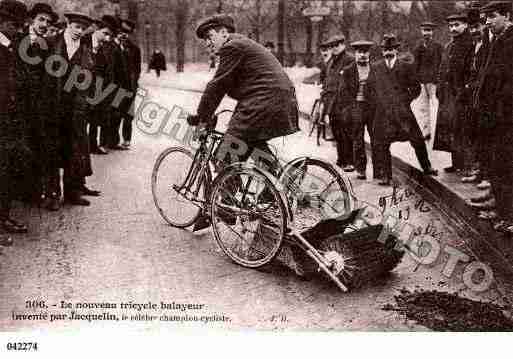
(427, 61)
(350, 83)
(395, 90)
(333, 77)
(247, 72)
(14, 153)
(132, 57)
(495, 82)
(71, 108)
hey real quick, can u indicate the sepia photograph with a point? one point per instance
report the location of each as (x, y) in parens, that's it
(271, 167)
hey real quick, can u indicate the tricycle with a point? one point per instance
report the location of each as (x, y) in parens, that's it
(304, 216)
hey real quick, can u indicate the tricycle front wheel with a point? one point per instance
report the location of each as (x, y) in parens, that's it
(249, 217)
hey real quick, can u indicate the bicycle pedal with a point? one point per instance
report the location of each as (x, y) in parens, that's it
(201, 223)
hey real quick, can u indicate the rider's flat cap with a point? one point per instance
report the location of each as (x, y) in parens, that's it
(497, 6)
(78, 17)
(216, 20)
(362, 45)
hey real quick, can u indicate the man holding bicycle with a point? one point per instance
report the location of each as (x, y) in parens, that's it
(266, 101)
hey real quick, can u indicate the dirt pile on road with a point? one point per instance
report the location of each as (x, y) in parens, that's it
(443, 311)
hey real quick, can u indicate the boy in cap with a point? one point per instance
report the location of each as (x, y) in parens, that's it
(396, 86)
(428, 55)
(13, 151)
(358, 103)
(494, 103)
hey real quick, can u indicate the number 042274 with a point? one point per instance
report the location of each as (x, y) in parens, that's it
(18, 346)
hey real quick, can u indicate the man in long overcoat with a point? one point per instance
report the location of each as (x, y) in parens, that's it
(357, 101)
(14, 151)
(341, 131)
(452, 122)
(396, 86)
(494, 100)
(72, 111)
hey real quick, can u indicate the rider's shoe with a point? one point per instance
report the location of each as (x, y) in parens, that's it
(202, 222)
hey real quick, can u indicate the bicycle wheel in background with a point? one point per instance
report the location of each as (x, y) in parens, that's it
(249, 217)
(315, 191)
(169, 174)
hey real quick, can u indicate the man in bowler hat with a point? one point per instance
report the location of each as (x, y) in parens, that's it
(396, 86)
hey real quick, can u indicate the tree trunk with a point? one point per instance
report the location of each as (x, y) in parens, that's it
(309, 38)
(281, 30)
(182, 10)
(258, 20)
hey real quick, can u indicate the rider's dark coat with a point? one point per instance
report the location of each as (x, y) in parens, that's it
(267, 105)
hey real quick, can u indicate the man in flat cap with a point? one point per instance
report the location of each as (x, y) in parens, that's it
(41, 17)
(493, 100)
(341, 132)
(478, 153)
(396, 86)
(325, 51)
(107, 61)
(68, 123)
(320, 117)
(266, 101)
(428, 55)
(358, 103)
(131, 69)
(452, 95)
(14, 152)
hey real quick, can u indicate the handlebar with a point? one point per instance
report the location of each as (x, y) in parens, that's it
(204, 129)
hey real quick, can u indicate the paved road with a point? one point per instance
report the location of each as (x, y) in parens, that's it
(120, 250)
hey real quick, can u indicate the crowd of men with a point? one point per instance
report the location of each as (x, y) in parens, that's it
(52, 116)
(470, 78)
